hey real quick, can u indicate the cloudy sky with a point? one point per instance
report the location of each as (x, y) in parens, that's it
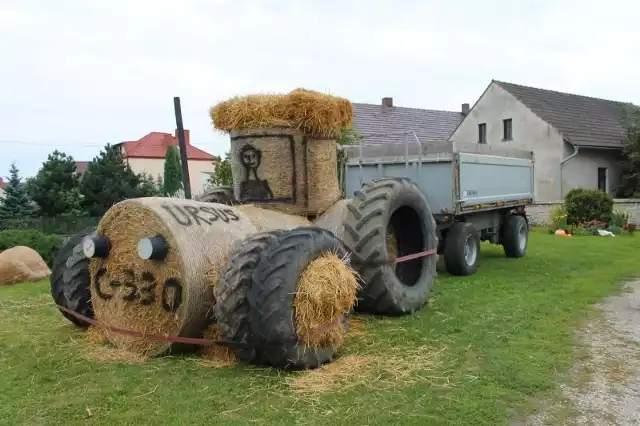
(76, 74)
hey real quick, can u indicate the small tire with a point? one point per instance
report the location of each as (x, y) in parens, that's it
(220, 195)
(515, 236)
(389, 289)
(231, 310)
(272, 295)
(70, 279)
(461, 249)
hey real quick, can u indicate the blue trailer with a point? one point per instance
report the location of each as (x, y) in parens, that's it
(430, 198)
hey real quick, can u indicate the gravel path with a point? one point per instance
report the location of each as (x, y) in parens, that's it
(605, 385)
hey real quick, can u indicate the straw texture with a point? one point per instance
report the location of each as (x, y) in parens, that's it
(307, 110)
(22, 264)
(171, 296)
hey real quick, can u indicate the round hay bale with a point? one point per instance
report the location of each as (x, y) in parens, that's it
(271, 220)
(170, 296)
(285, 170)
(302, 291)
(14, 272)
(30, 258)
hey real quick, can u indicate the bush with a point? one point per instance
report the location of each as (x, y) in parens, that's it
(584, 205)
(558, 218)
(46, 245)
(619, 218)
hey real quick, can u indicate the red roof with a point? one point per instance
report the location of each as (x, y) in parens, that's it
(3, 184)
(81, 166)
(154, 145)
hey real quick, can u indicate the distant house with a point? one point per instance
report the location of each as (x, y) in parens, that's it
(81, 167)
(386, 123)
(577, 140)
(3, 184)
(146, 155)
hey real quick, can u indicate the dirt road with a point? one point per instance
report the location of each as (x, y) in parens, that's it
(605, 384)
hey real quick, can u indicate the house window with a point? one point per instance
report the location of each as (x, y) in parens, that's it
(482, 133)
(507, 129)
(602, 179)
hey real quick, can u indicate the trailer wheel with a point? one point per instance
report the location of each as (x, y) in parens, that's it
(271, 297)
(461, 249)
(70, 280)
(515, 236)
(231, 310)
(387, 215)
(219, 194)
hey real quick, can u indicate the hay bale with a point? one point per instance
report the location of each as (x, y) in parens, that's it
(333, 219)
(285, 170)
(170, 296)
(311, 112)
(271, 220)
(22, 264)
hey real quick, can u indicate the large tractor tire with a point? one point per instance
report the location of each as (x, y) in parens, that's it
(70, 280)
(515, 236)
(220, 194)
(391, 215)
(231, 310)
(461, 249)
(272, 293)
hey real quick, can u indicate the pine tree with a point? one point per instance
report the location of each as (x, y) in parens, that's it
(222, 174)
(108, 180)
(16, 202)
(172, 171)
(56, 186)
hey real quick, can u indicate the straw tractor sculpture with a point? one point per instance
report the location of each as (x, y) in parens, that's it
(277, 263)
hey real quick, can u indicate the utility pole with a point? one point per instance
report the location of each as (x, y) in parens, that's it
(184, 158)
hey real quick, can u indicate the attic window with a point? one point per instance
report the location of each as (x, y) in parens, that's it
(482, 133)
(507, 129)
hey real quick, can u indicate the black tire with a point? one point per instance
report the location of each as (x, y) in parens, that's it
(459, 236)
(70, 279)
(389, 289)
(220, 194)
(515, 236)
(231, 310)
(271, 297)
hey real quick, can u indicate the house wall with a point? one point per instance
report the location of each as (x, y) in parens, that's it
(529, 132)
(155, 167)
(581, 171)
(540, 214)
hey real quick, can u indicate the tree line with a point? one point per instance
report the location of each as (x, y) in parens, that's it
(58, 189)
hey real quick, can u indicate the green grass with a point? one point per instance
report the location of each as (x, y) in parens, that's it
(504, 338)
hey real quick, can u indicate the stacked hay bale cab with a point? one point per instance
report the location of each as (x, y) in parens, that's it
(277, 262)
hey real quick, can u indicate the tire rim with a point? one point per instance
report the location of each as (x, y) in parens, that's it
(470, 250)
(522, 236)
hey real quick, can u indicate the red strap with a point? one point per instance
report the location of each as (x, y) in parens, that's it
(415, 255)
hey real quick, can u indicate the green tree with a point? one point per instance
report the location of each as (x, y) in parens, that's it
(172, 171)
(160, 183)
(108, 180)
(16, 202)
(629, 186)
(55, 188)
(222, 174)
(148, 186)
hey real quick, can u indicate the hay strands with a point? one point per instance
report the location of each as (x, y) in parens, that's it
(177, 339)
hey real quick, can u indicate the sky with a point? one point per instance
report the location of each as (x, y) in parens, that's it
(77, 74)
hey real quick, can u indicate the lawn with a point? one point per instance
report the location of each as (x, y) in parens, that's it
(484, 350)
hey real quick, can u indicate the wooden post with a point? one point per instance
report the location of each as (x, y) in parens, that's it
(184, 159)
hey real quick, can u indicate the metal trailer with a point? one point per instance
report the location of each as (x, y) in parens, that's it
(476, 192)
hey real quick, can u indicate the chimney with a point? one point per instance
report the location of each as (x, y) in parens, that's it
(465, 109)
(388, 102)
(187, 139)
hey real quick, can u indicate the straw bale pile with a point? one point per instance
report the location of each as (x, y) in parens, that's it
(170, 296)
(311, 112)
(22, 264)
(271, 220)
(283, 148)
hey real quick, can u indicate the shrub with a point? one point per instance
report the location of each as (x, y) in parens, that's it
(619, 218)
(584, 205)
(47, 246)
